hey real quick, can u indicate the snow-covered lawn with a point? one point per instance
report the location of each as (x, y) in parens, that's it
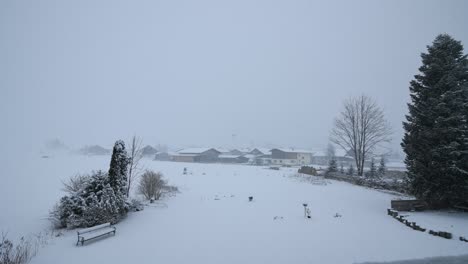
(211, 220)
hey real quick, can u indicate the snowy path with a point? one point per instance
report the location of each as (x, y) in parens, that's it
(211, 221)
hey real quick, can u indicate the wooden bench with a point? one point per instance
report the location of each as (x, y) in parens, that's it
(409, 205)
(462, 208)
(94, 232)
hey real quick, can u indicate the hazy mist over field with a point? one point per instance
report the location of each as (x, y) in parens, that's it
(207, 72)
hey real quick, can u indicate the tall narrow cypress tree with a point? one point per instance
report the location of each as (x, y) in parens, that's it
(436, 130)
(118, 167)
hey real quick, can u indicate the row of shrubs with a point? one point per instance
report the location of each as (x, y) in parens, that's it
(91, 200)
(394, 184)
(414, 226)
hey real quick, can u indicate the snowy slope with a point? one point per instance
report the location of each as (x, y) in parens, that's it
(211, 220)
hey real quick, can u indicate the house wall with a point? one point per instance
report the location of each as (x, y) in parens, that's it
(290, 158)
(304, 158)
(208, 156)
(162, 156)
(233, 160)
(185, 158)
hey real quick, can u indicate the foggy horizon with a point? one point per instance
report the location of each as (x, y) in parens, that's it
(195, 74)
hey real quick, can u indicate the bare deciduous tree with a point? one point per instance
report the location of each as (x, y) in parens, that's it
(151, 185)
(75, 183)
(361, 127)
(135, 155)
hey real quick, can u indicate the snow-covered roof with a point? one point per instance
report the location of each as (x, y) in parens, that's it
(194, 150)
(339, 152)
(222, 150)
(185, 155)
(227, 156)
(245, 150)
(295, 150)
(266, 151)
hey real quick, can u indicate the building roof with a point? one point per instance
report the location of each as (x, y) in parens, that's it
(228, 156)
(222, 150)
(265, 151)
(294, 150)
(195, 150)
(339, 152)
(245, 150)
(185, 155)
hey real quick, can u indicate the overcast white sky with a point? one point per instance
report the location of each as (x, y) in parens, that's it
(197, 72)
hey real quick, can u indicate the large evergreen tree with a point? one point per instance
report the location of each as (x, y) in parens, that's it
(436, 131)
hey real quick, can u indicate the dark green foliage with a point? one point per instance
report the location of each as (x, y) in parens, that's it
(436, 129)
(332, 166)
(350, 171)
(118, 167)
(372, 173)
(308, 170)
(98, 198)
(94, 204)
(382, 168)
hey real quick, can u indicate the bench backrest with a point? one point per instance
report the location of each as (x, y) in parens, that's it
(407, 205)
(94, 228)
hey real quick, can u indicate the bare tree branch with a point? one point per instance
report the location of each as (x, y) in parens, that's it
(134, 167)
(360, 128)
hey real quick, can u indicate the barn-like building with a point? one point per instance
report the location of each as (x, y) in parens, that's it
(196, 155)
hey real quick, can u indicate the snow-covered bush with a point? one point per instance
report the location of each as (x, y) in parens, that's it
(96, 202)
(97, 198)
(151, 185)
(136, 205)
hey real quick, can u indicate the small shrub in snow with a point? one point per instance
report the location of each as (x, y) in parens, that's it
(382, 168)
(151, 185)
(136, 205)
(308, 170)
(372, 173)
(332, 166)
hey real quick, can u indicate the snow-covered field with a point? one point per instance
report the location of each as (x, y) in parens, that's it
(211, 220)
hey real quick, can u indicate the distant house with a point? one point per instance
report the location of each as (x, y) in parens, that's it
(260, 151)
(291, 156)
(162, 156)
(196, 155)
(235, 152)
(148, 151)
(321, 157)
(229, 158)
(259, 156)
(245, 150)
(94, 150)
(223, 150)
